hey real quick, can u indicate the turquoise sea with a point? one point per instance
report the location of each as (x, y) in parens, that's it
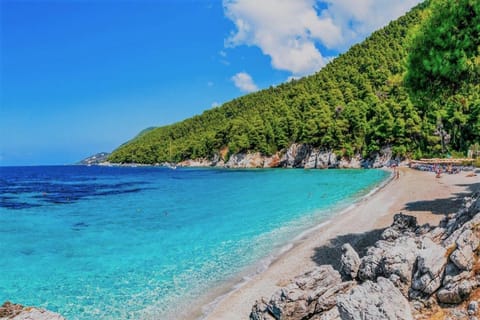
(137, 243)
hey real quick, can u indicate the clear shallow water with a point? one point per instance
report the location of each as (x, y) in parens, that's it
(132, 243)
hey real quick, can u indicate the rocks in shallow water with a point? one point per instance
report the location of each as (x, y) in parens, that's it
(350, 262)
(14, 311)
(370, 300)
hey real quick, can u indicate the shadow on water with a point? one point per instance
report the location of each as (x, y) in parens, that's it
(332, 251)
(443, 206)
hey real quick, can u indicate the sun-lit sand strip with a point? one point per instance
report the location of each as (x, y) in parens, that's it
(416, 193)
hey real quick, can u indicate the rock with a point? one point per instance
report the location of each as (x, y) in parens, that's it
(381, 300)
(463, 258)
(311, 160)
(404, 222)
(13, 311)
(353, 162)
(370, 266)
(399, 260)
(431, 263)
(260, 311)
(245, 160)
(326, 299)
(455, 293)
(431, 266)
(472, 308)
(295, 156)
(312, 292)
(201, 162)
(326, 159)
(331, 314)
(350, 262)
(390, 258)
(382, 158)
(454, 274)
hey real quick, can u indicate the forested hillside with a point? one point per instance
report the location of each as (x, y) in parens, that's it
(413, 85)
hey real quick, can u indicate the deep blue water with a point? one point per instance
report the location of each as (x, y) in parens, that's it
(132, 243)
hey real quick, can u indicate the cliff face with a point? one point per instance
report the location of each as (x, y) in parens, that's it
(296, 156)
(412, 272)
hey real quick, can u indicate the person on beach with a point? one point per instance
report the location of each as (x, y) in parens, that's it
(439, 173)
(396, 172)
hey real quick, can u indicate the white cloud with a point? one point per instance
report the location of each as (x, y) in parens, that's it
(244, 82)
(359, 18)
(289, 31)
(215, 104)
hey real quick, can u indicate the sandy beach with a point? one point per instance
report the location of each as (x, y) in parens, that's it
(416, 193)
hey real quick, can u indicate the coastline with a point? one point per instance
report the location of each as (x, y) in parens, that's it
(359, 223)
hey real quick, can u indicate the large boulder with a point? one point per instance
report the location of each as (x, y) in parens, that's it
(463, 258)
(456, 292)
(350, 262)
(374, 301)
(431, 263)
(313, 292)
(393, 259)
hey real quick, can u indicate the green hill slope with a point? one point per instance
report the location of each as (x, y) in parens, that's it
(356, 104)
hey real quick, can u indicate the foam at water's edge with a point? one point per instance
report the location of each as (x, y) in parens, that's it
(263, 265)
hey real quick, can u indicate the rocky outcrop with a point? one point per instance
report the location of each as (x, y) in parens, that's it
(350, 262)
(374, 300)
(95, 159)
(296, 156)
(312, 293)
(412, 272)
(12, 311)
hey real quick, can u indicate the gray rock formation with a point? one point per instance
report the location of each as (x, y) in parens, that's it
(313, 292)
(350, 262)
(431, 263)
(13, 311)
(374, 300)
(298, 155)
(409, 270)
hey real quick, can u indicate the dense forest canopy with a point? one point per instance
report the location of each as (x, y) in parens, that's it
(413, 85)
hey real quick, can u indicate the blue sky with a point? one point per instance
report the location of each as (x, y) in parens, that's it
(80, 77)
